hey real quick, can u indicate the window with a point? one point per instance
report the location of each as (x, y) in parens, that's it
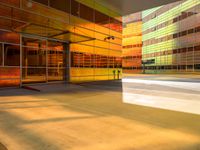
(175, 20)
(75, 8)
(97, 61)
(11, 55)
(86, 13)
(87, 60)
(5, 11)
(183, 50)
(197, 48)
(117, 62)
(197, 29)
(45, 2)
(184, 15)
(33, 57)
(9, 37)
(55, 54)
(101, 19)
(197, 66)
(104, 61)
(190, 31)
(190, 49)
(115, 25)
(184, 33)
(63, 5)
(12, 2)
(175, 35)
(76, 59)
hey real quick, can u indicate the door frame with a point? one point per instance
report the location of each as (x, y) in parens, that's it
(66, 78)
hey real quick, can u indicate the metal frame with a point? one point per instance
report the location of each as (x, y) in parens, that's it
(66, 76)
(21, 69)
(3, 54)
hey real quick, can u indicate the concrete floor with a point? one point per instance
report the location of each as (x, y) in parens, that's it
(93, 116)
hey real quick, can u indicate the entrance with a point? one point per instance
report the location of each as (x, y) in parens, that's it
(43, 60)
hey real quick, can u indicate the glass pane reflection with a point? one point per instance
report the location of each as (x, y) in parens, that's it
(56, 74)
(33, 57)
(11, 55)
(34, 75)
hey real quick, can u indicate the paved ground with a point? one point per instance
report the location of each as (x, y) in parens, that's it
(171, 92)
(93, 116)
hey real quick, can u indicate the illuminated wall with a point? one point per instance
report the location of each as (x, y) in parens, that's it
(94, 32)
(132, 43)
(170, 37)
(97, 59)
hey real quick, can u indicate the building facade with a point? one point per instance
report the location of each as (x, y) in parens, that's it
(132, 43)
(45, 41)
(170, 38)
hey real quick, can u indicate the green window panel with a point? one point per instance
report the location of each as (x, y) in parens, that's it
(171, 14)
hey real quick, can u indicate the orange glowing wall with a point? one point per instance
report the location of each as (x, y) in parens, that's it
(9, 76)
(132, 43)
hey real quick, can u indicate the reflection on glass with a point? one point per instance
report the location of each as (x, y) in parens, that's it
(45, 2)
(9, 37)
(55, 54)
(11, 55)
(9, 76)
(55, 45)
(102, 19)
(84, 60)
(56, 74)
(175, 50)
(75, 8)
(63, 5)
(55, 58)
(115, 25)
(12, 2)
(86, 13)
(34, 53)
(36, 43)
(33, 57)
(42, 61)
(33, 75)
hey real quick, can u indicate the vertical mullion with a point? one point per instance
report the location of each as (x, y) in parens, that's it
(21, 60)
(193, 59)
(3, 54)
(67, 62)
(46, 49)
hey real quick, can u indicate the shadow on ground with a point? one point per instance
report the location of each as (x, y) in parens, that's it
(98, 99)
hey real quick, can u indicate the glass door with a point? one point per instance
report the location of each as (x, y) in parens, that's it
(34, 60)
(56, 61)
(43, 60)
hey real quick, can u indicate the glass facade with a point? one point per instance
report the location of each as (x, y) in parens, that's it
(132, 43)
(170, 38)
(42, 40)
(9, 59)
(81, 40)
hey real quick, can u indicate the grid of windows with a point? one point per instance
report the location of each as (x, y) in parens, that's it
(85, 60)
(87, 27)
(9, 59)
(132, 43)
(84, 12)
(170, 37)
(63, 5)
